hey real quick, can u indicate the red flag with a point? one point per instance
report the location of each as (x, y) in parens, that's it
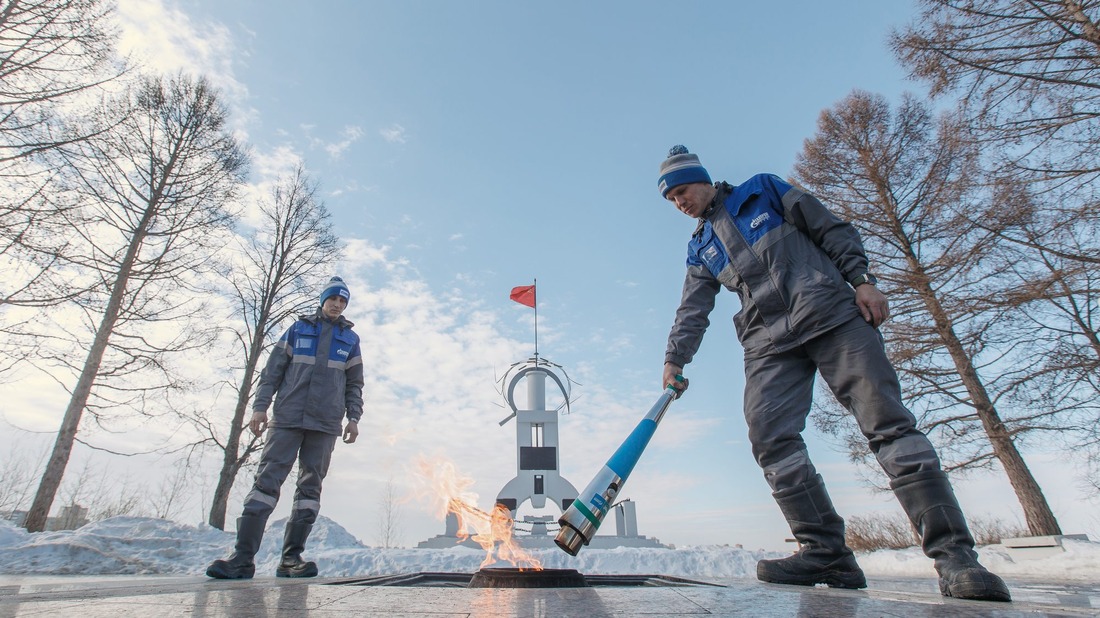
(524, 295)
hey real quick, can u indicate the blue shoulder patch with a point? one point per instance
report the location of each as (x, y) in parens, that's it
(756, 206)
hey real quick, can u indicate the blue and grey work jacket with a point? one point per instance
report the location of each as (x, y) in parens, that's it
(785, 255)
(315, 374)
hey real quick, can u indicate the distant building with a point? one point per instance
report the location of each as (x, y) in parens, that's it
(70, 518)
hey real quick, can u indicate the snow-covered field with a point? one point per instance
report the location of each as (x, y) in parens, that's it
(146, 546)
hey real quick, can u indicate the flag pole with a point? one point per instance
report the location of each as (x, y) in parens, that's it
(535, 285)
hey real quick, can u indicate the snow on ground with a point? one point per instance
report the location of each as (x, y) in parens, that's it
(146, 546)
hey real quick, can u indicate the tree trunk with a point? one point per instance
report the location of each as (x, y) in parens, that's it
(228, 474)
(232, 459)
(66, 435)
(1038, 514)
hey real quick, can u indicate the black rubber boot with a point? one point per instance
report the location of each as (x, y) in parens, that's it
(930, 502)
(294, 543)
(822, 558)
(250, 531)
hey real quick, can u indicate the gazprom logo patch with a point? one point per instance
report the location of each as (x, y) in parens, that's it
(710, 253)
(599, 502)
(343, 353)
(760, 220)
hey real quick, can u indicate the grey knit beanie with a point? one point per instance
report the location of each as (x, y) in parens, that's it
(680, 168)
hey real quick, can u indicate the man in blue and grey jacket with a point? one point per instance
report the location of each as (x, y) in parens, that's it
(809, 304)
(315, 375)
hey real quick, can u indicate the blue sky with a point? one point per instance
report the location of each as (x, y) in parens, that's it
(468, 147)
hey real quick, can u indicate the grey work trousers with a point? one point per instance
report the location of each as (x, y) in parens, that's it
(852, 360)
(313, 450)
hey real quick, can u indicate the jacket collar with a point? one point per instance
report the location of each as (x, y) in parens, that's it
(316, 318)
(723, 191)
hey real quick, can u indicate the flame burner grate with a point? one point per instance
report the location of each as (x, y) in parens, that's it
(527, 578)
(516, 578)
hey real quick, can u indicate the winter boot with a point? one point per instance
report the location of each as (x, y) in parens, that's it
(822, 557)
(250, 531)
(930, 502)
(294, 543)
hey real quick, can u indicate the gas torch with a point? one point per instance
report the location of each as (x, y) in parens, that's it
(582, 519)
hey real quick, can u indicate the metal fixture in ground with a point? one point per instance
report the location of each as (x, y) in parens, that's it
(465, 580)
(528, 578)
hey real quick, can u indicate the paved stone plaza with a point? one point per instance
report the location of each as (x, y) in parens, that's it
(123, 597)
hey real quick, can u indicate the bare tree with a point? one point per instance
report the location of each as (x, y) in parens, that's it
(100, 494)
(1054, 307)
(389, 517)
(906, 180)
(1027, 72)
(50, 51)
(171, 495)
(156, 189)
(54, 56)
(1092, 465)
(276, 278)
(1028, 78)
(17, 474)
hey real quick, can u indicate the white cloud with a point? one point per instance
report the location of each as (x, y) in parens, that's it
(362, 256)
(350, 135)
(352, 186)
(394, 134)
(336, 148)
(267, 168)
(281, 160)
(166, 40)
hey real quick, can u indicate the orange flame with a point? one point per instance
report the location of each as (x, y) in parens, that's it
(448, 492)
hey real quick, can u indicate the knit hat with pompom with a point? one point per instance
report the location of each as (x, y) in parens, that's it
(335, 287)
(680, 168)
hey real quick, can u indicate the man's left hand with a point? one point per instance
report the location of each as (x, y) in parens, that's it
(872, 304)
(351, 432)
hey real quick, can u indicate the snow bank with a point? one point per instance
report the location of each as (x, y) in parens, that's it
(146, 546)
